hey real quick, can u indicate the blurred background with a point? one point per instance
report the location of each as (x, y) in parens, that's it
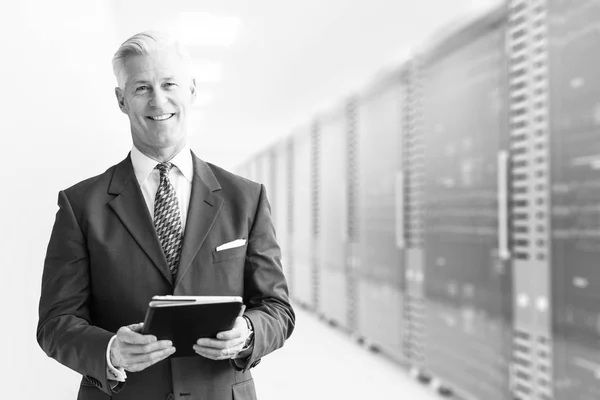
(283, 86)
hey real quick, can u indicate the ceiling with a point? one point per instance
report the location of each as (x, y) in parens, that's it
(291, 59)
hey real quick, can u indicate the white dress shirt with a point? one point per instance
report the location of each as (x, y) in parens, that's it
(148, 178)
(180, 176)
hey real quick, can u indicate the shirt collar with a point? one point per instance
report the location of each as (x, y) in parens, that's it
(144, 165)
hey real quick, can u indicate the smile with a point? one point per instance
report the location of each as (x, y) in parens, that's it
(163, 117)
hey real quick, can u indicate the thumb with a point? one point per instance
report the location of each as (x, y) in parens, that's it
(136, 327)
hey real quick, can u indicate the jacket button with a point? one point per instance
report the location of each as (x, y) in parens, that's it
(170, 396)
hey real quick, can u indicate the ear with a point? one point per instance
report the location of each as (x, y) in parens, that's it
(121, 99)
(193, 90)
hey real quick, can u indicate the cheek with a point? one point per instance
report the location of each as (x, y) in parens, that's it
(137, 107)
(139, 121)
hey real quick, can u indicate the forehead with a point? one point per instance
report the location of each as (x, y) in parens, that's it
(156, 66)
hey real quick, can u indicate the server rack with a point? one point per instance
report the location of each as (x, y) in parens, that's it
(529, 196)
(302, 233)
(380, 266)
(569, 89)
(467, 276)
(260, 169)
(495, 198)
(409, 214)
(243, 169)
(280, 202)
(289, 151)
(352, 212)
(332, 205)
(266, 174)
(251, 172)
(315, 180)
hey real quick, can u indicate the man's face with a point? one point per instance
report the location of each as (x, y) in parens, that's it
(157, 96)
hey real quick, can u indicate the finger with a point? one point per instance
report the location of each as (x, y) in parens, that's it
(141, 362)
(153, 357)
(126, 335)
(135, 354)
(207, 352)
(213, 354)
(220, 344)
(238, 330)
(238, 350)
(147, 348)
(234, 351)
(136, 327)
(218, 354)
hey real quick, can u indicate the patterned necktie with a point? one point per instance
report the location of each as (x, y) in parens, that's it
(167, 218)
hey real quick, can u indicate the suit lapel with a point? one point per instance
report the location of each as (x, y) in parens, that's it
(130, 207)
(202, 213)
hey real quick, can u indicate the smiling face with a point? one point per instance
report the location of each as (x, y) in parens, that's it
(157, 97)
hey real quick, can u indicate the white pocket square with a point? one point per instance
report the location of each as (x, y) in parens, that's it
(231, 245)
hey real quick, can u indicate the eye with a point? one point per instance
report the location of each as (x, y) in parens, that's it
(170, 84)
(141, 88)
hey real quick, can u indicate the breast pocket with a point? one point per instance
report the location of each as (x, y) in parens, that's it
(229, 254)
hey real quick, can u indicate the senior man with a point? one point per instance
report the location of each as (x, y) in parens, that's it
(151, 225)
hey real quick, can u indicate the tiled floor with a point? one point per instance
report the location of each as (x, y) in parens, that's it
(320, 362)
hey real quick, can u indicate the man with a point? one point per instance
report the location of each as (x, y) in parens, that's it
(155, 224)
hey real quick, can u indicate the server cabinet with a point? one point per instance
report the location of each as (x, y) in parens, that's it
(380, 267)
(352, 212)
(573, 48)
(271, 180)
(257, 167)
(409, 215)
(243, 169)
(265, 170)
(302, 243)
(467, 280)
(251, 167)
(529, 195)
(262, 168)
(331, 210)
(280, 203)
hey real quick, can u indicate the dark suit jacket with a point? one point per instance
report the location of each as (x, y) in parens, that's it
(104, 263)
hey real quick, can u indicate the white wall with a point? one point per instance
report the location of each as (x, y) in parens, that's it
(60, 124)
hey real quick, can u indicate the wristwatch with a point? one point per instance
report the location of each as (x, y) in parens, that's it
(250, 338)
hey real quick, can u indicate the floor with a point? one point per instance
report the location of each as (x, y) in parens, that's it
(320, 362)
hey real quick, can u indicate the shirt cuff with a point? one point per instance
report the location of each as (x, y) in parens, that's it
(112, 373)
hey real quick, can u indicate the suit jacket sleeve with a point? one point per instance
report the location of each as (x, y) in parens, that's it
(265, 288)
(64, 331)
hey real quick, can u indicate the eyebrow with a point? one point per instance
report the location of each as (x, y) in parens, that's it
(139, 81)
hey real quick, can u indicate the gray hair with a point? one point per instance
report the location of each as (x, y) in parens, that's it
(145, 43)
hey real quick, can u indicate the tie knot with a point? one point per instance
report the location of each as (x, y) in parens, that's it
(164, 168)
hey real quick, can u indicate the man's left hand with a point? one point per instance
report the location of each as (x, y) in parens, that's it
(228, 344)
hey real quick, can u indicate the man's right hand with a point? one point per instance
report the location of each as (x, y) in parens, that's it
(135, 352)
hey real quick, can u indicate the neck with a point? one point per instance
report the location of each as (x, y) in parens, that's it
(162, 154)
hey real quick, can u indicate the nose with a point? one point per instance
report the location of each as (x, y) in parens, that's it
(158, 98)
